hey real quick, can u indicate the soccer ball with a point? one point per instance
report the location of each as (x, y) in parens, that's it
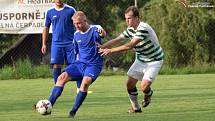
(44, 107)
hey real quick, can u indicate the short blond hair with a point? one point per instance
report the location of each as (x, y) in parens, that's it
(79, 15)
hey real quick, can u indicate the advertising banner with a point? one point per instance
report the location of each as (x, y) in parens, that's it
(23, 16)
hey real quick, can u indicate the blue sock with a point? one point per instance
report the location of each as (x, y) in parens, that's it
(79, 100)
(56, 73)
(56, 92)
(78, 83)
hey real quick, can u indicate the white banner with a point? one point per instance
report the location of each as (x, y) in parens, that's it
(23, 16)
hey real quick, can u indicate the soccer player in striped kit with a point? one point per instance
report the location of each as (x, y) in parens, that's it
(149, 56)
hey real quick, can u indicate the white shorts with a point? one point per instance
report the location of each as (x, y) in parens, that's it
(144, 71)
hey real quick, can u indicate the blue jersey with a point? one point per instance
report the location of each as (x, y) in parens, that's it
(85, 46)
(62, 25)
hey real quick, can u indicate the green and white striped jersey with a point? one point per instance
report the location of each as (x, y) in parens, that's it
(149, 48)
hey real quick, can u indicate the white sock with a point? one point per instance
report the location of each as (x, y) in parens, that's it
(134, 102)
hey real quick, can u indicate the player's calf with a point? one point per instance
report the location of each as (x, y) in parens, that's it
(147, 99)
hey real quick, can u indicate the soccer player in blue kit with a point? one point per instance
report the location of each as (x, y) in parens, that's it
(88, 65)
(62, 49)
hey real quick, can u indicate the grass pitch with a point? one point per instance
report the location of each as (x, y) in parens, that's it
(176, 98)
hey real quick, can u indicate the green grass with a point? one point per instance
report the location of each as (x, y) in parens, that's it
(176, 98)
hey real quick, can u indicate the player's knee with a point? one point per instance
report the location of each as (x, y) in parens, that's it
(131, 84)
(128, 84)
(145, 85)
(62, 79)
(84, 87)
(85, 83)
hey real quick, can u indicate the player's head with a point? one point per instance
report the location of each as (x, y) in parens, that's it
(80, 21)
(132, 16)
(58, 3)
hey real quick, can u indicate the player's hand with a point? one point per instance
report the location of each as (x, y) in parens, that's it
(102, 32)
(105, 51)
(98, 45)
(43, 49)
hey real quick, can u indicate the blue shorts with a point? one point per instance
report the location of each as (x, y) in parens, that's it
(78, 70)
(61, 55)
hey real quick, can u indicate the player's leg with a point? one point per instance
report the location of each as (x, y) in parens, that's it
(78, 83)
(145, 87)
(150, 73)
(80, 97)
(72, 71)
(70, 57)
(135, 73)
(133, 95)
(57, 60)
(58, 88)
(56, 71)
(90, 75)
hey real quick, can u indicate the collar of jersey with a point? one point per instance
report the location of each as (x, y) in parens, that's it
(60, 9)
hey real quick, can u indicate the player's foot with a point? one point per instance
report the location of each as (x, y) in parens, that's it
(71, 115)
(47, 114)
(147, 99)
(131, 110)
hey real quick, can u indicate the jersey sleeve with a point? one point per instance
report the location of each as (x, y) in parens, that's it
(47, 20)
(142, 33)
(74, 9)
(96, 35)
(75, 45)
(124, 34)
(98, 38)
(98, 26)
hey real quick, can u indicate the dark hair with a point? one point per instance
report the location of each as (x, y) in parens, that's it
(134, 10)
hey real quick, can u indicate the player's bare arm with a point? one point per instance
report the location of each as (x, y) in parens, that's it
(112, 42)
(124, 47)
(44, 39)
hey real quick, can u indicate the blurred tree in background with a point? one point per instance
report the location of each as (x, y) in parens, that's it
(186, 34)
